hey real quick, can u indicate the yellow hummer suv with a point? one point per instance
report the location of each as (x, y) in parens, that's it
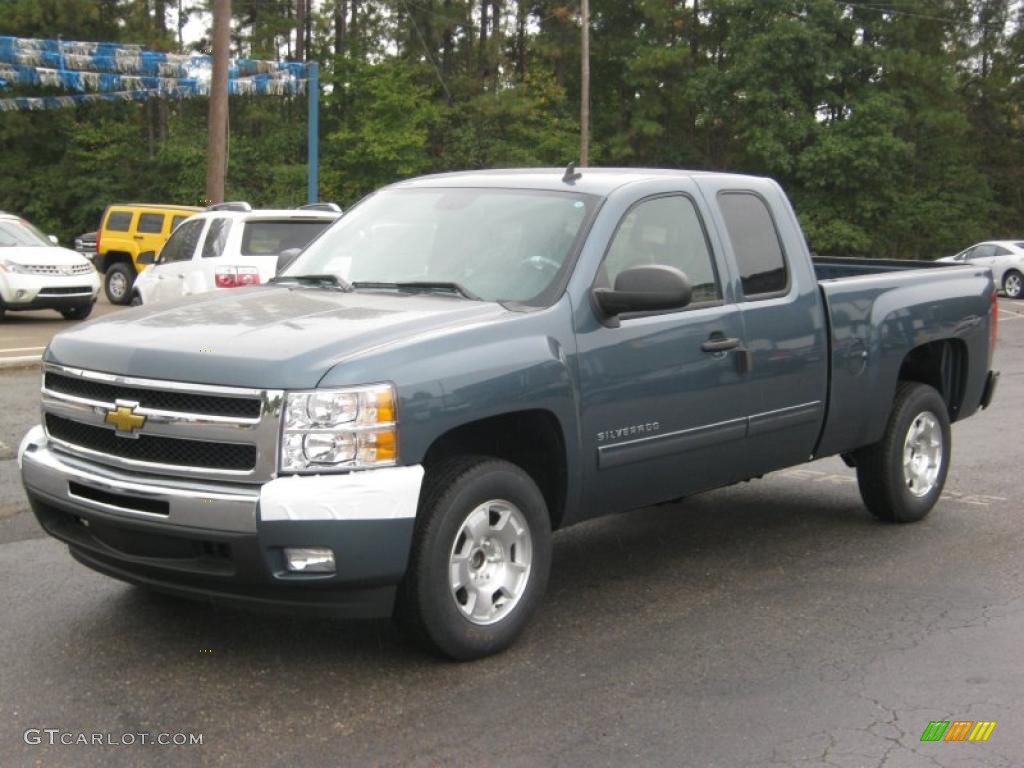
(126, 230)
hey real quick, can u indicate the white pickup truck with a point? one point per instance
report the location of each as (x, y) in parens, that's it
(227, 246)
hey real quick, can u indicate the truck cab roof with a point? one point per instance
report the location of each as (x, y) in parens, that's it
(593, 181)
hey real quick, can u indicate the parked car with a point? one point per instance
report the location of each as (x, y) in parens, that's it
(1004, 257)
(228, 246)
(85, 244)
(126, 230)
(464, 363)
(36, 273)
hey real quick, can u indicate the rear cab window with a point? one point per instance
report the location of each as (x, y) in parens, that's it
(268, 237)
(119, 221)
(756, 244)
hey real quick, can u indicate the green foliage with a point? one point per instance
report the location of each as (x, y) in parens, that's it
(897, 128)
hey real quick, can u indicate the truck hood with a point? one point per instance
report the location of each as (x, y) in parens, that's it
(273, 337)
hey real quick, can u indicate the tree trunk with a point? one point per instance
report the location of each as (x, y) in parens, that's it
(484, 8)
(447, 41)
(521, 39)
(300, 30)
(340, 26)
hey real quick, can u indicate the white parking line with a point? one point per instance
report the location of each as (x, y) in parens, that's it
(16, 362)
(21, 349)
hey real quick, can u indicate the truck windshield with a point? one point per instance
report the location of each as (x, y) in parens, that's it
(508, 245)
(20, 234)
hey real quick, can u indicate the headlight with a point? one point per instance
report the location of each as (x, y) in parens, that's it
(11, 266)
(338, 429)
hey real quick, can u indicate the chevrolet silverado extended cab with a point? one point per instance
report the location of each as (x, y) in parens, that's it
(464, 363)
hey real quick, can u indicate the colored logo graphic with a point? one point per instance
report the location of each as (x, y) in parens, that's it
(958, 730)
(124, 418)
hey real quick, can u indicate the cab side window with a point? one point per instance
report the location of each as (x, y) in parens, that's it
(182, 243)
(151, 223)
(664, 230)
(176, 221)
(755, 243)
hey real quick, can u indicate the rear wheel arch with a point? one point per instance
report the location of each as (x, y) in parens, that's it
(942, 365)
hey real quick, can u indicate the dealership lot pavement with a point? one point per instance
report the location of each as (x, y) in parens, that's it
(772, 623)
(24, 335)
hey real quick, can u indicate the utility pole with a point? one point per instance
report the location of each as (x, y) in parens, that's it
(585, 85)
(216, 163)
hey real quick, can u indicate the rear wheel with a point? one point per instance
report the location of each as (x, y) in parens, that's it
(902, 475)
(480, 558)
(1013, 284)
(118, 282)
(80, 312)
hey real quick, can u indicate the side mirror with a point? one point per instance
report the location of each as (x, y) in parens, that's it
(648, 288)
(53, 239)
(286, 258)
(146, 257)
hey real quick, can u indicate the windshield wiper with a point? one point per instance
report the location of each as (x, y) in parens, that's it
(422, 285)
(321, 280)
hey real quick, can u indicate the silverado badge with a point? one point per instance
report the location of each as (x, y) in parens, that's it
(124, 418)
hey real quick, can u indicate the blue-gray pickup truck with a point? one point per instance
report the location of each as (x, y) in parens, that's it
(464, 363)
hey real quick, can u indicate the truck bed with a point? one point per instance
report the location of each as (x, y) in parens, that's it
(838, 267)
(877, 310)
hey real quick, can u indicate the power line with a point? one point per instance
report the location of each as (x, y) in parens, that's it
(880, 8)
(426, 50)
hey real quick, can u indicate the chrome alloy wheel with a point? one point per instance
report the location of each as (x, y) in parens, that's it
(489, 566)
(922, 454)
(1013, 284)
(118, 285)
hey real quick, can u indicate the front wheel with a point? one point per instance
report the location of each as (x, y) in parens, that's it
(1013, 284)
(118, 283)
(902, 475)
(480, 558)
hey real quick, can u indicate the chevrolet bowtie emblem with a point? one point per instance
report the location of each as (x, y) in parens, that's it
(124, 419)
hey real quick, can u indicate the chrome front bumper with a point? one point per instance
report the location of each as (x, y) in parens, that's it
(191, 503)
(224, 541)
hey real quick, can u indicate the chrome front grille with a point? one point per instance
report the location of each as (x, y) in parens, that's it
(170, 428)
(58, 269)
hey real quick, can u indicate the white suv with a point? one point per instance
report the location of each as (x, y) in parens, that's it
(227, 246)
(36, 273)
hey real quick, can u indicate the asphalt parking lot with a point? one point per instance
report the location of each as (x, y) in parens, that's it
(771, 623)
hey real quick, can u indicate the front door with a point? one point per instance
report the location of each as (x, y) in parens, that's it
(663, 396)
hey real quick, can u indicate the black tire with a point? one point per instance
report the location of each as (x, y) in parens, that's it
(80, 312)
(883, 483)
(1013, 284)
(117, 283)
(427, 603)
(136, 299)
(3, 311)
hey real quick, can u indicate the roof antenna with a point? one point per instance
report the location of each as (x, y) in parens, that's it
(571, 174)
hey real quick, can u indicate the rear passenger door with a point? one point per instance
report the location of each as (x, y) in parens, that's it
(175, 260)
(663, 412)
(784, 324)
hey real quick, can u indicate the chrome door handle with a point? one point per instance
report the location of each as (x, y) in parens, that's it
(720, 344)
